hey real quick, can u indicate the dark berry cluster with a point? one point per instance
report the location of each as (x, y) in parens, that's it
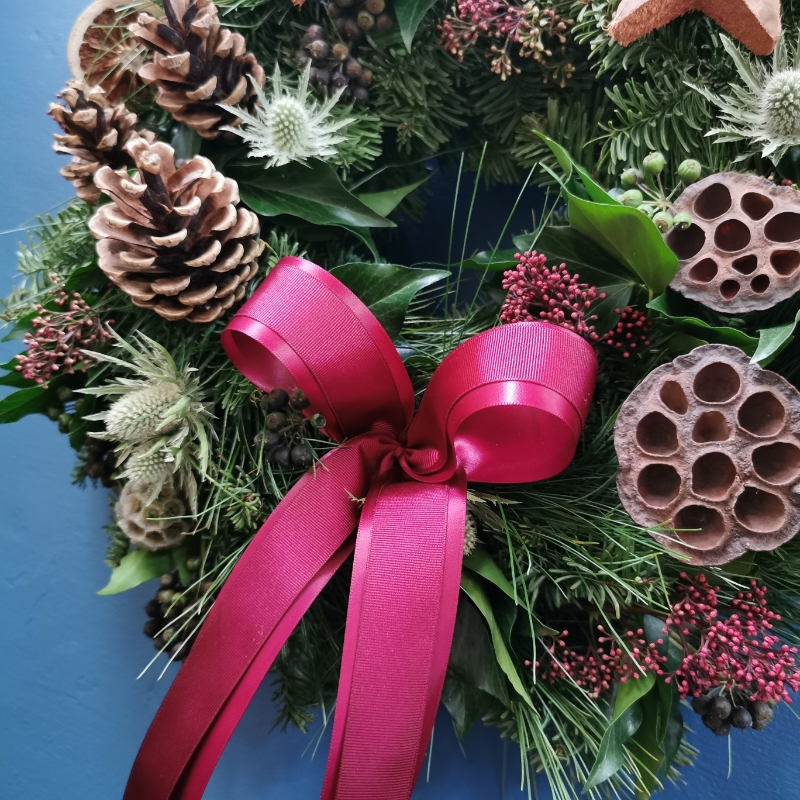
(353, 18)
(719, 714)
(167, 625)
(333, 66)
(285, 427)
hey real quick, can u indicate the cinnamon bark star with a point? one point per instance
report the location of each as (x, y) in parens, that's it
(755, 23)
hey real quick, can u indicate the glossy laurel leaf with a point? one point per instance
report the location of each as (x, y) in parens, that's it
(384, 203)
(387, 289)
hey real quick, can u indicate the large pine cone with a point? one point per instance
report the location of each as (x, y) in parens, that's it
(174, 239)
(197, 64)
(95, 134)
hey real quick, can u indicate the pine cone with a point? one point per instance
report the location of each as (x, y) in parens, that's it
(173, 239)
(197, 64)
(95, 134)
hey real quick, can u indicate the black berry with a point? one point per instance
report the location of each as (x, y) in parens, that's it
(740, 718)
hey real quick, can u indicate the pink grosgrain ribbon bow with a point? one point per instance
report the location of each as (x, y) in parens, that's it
(506, 406)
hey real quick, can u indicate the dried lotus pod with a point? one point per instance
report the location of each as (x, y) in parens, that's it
(708, 447)
(175, 240)
(154, 524)
(742, 251)
(198, 65)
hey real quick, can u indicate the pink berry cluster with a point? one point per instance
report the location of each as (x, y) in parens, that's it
(58, 338)
(553, 295)
(736, 652)
(630, 332)
(601, 665)
(534, 29)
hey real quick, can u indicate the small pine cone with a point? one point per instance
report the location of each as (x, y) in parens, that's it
(95, 134)
(197, 64)
(174, 239)
(138, 415)
(153, 526)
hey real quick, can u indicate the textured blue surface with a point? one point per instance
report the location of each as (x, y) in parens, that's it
(72, 711)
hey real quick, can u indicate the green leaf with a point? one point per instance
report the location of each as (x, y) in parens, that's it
(313, 193)
(624, 232)
(772, 340)
(33, 400)
(669, 304)
(472, 588)
(483, 261)
(409, 14)
(645, 745)
(20, 327)
(673, 735)
(137, 567)
(384, 203)
(625, 721)
(387, 289)
(16, 379)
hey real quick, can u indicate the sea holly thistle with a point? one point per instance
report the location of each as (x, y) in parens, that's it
(765, 108)
(159, 416)
(290, 126)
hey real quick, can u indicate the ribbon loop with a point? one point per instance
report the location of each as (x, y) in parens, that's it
(505, 406)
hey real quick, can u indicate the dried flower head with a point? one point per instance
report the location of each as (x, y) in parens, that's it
(152, 519)
(61, 341)
(553, 295)
(764, 109)
(289, 126)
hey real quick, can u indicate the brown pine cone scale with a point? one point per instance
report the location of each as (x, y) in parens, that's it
(197, 64)
(175, 239)
(95, 134)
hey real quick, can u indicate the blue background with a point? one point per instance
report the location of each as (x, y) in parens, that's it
(71, 709)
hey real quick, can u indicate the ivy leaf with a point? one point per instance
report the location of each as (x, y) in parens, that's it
(137, 567)
(313, 193)
(409, 14)
(669, 304)
(32, 400)
(771, 341)
(625, 721)
(387, 289)
(624, 232)
(384, 203)
(472, 588)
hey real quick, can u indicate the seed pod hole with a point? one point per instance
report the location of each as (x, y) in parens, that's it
(732, 235)
(777, 463)
(657, 435)
(713, 202)
(704, 271)
(760, 284)
(745, 265)
(729, 289)
(756, 205)
(659, 485)
(785, 262)
(674, 398)
(716, 383)
(711, 426)
(699, 526)
(762, 414)
(713, 475)
(758, 510)
(686, 243)
(783, 227)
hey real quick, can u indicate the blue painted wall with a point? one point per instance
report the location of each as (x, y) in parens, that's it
(72, 713)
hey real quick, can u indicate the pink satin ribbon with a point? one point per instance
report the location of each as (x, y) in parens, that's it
(506, 406)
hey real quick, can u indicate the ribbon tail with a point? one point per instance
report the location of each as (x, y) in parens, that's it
(276, 579)
(400, 622)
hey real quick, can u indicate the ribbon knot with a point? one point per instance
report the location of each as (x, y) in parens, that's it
(506, 406)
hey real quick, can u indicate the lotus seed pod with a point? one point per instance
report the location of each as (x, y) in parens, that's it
(690, 171)
(155, 525)
(136, 416)
(654, 163)
(709, 449)
(633, 198)
(742, 251)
